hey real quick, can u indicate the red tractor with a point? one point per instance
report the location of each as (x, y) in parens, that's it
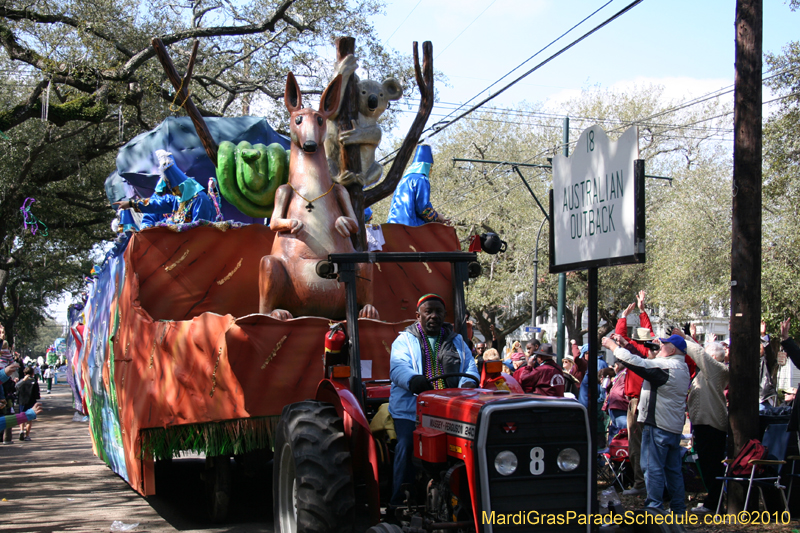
(490, 458)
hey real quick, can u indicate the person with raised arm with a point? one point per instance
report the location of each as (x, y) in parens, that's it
(662, 410)
(18, 419)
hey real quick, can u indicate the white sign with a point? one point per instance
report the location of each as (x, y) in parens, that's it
(594, 205)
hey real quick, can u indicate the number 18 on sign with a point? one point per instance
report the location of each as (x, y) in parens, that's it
(597, 203)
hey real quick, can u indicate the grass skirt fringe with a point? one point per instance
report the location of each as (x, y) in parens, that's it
(229, 437)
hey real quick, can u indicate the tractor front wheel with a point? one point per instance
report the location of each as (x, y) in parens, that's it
(383, 527)
(313, 473)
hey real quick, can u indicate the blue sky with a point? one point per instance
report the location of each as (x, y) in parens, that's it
(687, 46)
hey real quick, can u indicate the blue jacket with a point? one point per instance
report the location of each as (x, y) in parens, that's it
(406, 362)
(583, 396)
(156, 208)
(411, 203)
(3, 378)
(200, 207)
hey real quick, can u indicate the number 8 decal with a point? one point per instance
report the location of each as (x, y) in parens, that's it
(537, 461)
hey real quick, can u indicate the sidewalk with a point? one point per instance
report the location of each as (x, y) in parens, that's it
(53, 483)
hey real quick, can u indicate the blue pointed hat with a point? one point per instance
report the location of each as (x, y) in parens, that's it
(175, 177)
(169, 172)
(423, 160)
(424, 154)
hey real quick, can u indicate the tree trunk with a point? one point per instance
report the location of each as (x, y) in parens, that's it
(573, 318)
(484, 325)
(745, 236)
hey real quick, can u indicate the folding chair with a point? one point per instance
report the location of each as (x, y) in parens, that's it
(776, 438)
(792, 475)
(615, 459)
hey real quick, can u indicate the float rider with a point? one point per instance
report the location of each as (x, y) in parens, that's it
(427, 348)
(188, 202)
(411, 202)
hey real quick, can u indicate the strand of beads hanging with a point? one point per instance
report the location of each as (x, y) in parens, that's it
(432, 367)
(29, 220)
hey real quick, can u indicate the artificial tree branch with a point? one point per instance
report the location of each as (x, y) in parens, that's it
(182, 87)
(424, 77)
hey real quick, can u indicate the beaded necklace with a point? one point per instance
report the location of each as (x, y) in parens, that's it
(431, 362)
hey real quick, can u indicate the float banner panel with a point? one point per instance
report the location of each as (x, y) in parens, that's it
(596, 209)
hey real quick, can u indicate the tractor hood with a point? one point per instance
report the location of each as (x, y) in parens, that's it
(455, 411)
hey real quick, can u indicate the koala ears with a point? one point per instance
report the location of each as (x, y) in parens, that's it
(292, 97)
(392, 89)
(330, 100)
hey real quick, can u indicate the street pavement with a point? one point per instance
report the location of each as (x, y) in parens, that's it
(54, 483)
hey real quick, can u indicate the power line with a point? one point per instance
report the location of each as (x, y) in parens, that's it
(699, 99)
(533, 114)
(399, 25)
(390, 156)
(711, 131)
(548, 45)
(481, 184)
(538, 66)
(465, 29)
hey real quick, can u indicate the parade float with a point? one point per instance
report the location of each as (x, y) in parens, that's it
(169, 352)
(235, 339)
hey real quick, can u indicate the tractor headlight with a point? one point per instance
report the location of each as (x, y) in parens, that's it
(568, 459)
(505, 463)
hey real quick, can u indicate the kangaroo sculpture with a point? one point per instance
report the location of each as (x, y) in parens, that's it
(313, 217)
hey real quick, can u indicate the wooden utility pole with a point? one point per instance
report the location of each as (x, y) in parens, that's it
(745, 237)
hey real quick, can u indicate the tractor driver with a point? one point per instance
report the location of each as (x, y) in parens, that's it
(426, 348)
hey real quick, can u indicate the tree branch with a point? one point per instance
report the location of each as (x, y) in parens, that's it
(26, 14)
(215, 31)
(76, 201)
(84, 223)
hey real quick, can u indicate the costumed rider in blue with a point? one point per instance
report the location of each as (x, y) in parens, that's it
(188, 202)
(411, 203)
(162, 202)
(426, 348)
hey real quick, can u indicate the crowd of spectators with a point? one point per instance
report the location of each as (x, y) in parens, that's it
(657, 386)
(19, 395)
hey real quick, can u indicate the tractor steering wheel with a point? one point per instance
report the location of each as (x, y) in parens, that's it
(456, 374)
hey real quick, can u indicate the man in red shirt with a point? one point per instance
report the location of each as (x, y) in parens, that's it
(641, 343)
(546, 379)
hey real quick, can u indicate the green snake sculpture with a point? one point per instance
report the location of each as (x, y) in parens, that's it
(248, 175)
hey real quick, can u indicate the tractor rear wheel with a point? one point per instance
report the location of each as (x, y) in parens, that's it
(313, 473)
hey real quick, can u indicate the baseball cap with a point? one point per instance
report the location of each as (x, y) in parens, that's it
(677, 341)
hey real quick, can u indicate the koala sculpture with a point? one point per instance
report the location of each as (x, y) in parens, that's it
(373, 100)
